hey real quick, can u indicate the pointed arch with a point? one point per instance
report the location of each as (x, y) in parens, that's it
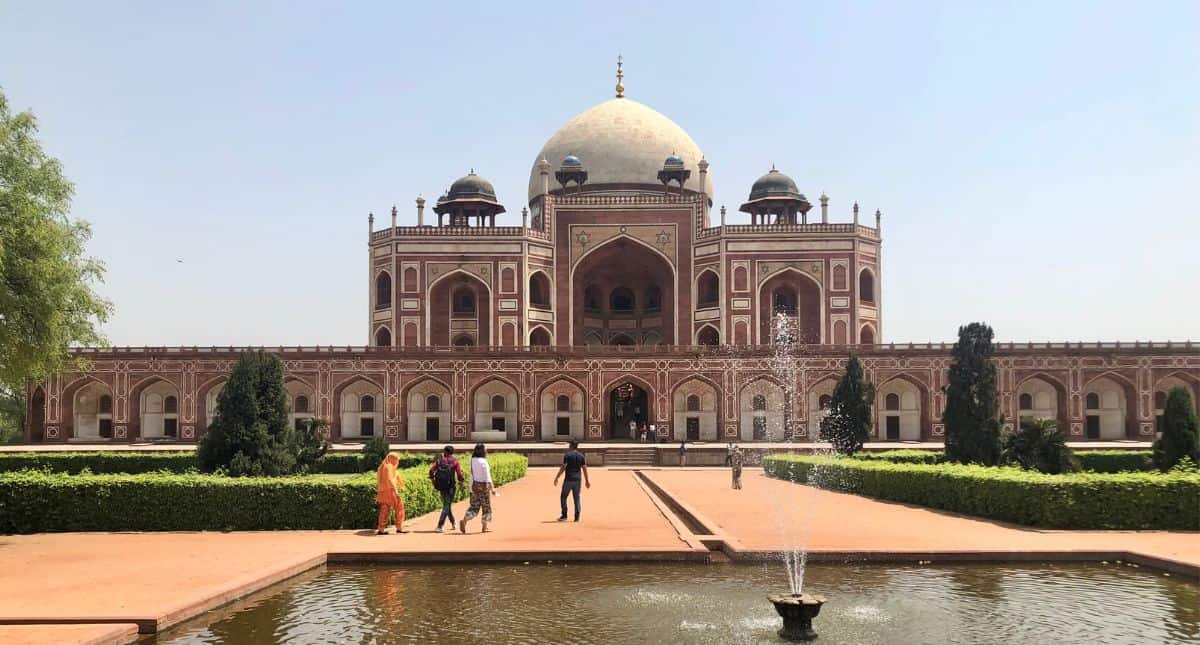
(539, 337)
(83, 408)
(655, 268)
(696, 401)
(1116, 416)
(809, 305)
(439, 308)
(820, 393)
(557, 423)
(424, 422)
(383, 336)
(763, 410)
(35, 418)
(540, 293)
(383, 289)
(492, 424)
(203, 401)
(867, 286)
(149, 403)
(619, 411)
(355, 419)
(708, 335)
(708, 289)
(1057, 409)
(866, 334)
(912, 421)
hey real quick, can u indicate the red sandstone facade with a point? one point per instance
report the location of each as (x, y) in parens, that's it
(616, 300)
(466, 381)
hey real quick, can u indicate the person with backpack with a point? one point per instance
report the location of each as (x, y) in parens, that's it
(443, 473)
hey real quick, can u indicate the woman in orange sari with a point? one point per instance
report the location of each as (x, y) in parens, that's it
(388, 495)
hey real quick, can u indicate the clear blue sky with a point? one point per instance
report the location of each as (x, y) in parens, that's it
(1038, 164)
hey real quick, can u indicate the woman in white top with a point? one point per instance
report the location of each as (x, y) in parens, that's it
(481, 489)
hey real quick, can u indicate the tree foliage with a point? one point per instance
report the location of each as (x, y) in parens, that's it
(972, 424)
(1038, 445)
(848, 424)
(250, 433)
(47, 302)
(12, 415)
(374, 452)
(1180, 431)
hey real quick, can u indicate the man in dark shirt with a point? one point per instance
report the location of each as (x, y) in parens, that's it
(574, 465)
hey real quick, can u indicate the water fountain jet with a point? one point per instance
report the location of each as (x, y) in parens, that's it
(796, 608)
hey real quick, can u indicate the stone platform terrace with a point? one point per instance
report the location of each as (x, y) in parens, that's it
(92, 587)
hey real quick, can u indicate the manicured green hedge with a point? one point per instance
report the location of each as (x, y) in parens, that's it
(38, 501)
(1116, 461)
(172, 462)
(1097, 461)
(903, 456)
(1073, 501)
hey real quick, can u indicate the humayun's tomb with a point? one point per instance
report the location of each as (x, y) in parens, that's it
(616, 298)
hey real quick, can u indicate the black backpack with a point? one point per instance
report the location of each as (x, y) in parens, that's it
(443, 475)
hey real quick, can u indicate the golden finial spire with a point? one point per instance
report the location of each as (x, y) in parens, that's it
(620, 75)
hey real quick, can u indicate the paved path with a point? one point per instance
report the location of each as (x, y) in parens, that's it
(156, 580)
(770, 514)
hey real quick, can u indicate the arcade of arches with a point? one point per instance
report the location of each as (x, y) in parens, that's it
(549, 396)
(623, 294)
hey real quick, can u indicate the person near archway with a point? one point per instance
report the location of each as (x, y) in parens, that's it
(389, 484)
(735, 467)
(574, 466)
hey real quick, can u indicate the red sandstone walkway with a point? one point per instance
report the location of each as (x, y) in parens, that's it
(160, 579)
(839, 522)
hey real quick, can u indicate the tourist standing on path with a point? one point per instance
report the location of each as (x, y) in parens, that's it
(729, 454)
(482, 490)
(574, 465)
(442, 473)
(735, 464)
(683, 452)
(632, 429)
(388, 487)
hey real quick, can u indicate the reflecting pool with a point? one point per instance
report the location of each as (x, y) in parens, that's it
(694, 603)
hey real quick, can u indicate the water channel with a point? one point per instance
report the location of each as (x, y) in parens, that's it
(695, 603)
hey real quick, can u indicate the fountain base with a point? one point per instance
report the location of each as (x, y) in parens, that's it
(797, 611)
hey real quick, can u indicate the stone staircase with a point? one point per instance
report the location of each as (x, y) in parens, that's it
(630, 457)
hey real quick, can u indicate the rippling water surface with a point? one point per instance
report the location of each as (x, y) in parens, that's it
(685, 603)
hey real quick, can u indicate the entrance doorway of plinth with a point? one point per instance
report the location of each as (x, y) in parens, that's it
(627, 402)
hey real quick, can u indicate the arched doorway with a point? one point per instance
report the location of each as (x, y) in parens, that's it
(37, 415)
(795, 295)
(627, 402)
(622, 285)
(460, 311)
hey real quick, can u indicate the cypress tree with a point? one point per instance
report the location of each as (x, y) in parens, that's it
(972, 424)
(848, 424)
(1180, 431)
(250, 434)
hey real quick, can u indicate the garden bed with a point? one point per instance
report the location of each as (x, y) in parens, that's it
(33, 501)
(1073, 501)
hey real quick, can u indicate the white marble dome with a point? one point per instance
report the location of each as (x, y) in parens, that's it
(620, 141)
